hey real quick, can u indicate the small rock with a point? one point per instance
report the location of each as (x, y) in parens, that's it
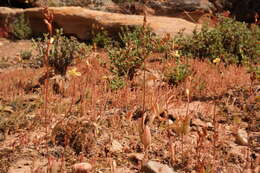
(123, 170)
(81, 167)
(2, 135)
(241, 137)
(116, 146)
(136, 156)
(155, 167)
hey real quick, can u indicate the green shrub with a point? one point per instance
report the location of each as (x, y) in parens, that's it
(116, 83)
(175, 75)
(102, 39)
(20, 27)
(26, 54)
(135, 46)
(231, 41)
(62, 51)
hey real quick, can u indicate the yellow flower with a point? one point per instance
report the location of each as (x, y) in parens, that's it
(216, 60)
(176, 54)
(74, 72)
(51, 40)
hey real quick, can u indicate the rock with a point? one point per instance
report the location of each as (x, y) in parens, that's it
(243, 10)
(2, 135)
(241, 137)
(81, 22)
(123, 170)
(116, 146)
(155, 167)
(136, 156)
(173, 7)
(81, 167)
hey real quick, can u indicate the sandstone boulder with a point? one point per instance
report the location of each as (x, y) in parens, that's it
(173, 7)
(84, 23)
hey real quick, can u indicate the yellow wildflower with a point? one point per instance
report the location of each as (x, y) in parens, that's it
(176, 54)
(74, 72)
(216, 60)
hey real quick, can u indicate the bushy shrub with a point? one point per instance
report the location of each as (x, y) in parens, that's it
(20, 27)
(231, 41)
(102, 39)
(62, 51)
(129, 56)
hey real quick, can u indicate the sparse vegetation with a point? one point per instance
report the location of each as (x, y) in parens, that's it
(202, 117)
(128, 58)
(26, 54)
(177, 74)
(231, 41)
(20, 28)
(62, 52)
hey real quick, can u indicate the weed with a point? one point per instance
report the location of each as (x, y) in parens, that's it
(175, 75)
(127, 59)
(101, 39)
(116, 83)
(26, 54)
(231, 41)
(20, 27)
(62, 52)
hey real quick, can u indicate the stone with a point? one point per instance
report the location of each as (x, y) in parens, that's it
(136, 156)
(116, 146)
(242, 137)
(156, 167)
(82, 22)
(123, 170)
(81, 167)
(174, 7)
(243, 10)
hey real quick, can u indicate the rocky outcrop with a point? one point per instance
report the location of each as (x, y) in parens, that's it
(243, 10)
(82, 23)
(171, 7)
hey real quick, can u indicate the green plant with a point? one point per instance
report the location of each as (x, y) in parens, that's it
(102, 39)
(175, 75)
(25, 54)
(231, 41)
(116, 83)
(62, 51)
(135, 46)
(20, 27)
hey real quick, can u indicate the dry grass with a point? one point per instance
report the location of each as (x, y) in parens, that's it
(192, 126)
(89, 117)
